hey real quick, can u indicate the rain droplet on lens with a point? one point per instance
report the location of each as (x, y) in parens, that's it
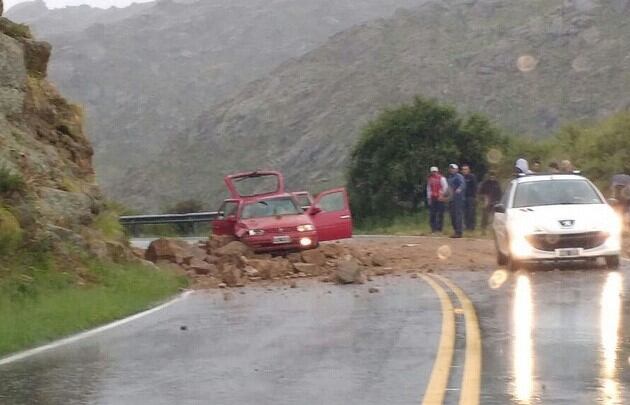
(526, 63)
(444, 252)
(552, 239)
(494, 156)
(497, 279)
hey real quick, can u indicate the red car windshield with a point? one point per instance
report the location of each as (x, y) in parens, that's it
(270, 208)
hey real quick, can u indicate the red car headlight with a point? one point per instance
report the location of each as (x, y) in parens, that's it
(256, 232)
(305, 228)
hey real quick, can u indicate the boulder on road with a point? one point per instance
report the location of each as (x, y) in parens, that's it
(314, 256)
(173, 250)
(201, 267)
(348, 271)
(234, 248)
(218, 241)
(379, 260)
(309, 269)
(232, 275)
(332, 250)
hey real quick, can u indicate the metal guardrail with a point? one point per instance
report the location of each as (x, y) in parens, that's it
(133, 222)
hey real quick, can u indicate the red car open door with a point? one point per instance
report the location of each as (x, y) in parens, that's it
(331, 215)
(224, 223)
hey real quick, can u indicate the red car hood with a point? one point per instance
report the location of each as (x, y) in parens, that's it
(285, 221)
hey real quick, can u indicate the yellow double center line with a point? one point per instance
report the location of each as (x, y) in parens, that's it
(471, 378)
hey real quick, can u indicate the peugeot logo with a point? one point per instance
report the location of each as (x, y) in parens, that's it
(567, 223)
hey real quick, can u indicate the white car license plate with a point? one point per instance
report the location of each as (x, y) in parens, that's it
(281, 239)
(568, 252)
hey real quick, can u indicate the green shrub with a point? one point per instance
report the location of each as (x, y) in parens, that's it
(107, 222)
(9, 181)
(10, 232)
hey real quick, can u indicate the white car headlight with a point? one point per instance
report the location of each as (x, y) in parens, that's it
(305, 228)
(519, 246)
(613, 225)
(256, 232)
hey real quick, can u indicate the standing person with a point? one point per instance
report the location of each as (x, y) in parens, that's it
(566, 166)
(437, 187)
(470, 202)
(536, 165)
(521, 167)
(490, 191)
(554, 167)
(457, 191)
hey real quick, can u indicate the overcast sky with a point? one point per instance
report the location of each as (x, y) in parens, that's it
(94, 3)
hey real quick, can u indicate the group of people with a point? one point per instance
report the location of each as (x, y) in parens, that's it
(459, 192)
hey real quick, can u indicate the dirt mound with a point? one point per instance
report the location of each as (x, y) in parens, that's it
(224, 262)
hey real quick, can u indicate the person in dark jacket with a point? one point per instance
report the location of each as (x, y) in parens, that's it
(470, 202)
(490, 191)
(457, 193)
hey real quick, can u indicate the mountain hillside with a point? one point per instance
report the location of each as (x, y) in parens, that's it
(145, 72)
(531, 66)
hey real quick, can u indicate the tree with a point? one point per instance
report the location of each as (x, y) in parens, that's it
(395, 151)
(599, 150)
(187, 207)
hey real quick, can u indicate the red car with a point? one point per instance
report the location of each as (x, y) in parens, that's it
(264, 216)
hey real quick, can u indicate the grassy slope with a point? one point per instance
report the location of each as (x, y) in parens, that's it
(39, 303)
(414, 225)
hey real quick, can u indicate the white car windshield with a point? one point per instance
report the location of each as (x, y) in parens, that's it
(555, 192)
(270, 207)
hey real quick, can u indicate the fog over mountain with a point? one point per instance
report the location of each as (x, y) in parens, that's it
(145, 72)
(531, 66)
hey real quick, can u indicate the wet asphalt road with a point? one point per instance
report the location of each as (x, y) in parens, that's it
(548, 337)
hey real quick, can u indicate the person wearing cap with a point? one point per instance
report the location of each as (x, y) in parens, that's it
(437, 187)
(457, 191)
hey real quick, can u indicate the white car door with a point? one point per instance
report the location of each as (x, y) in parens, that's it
(500, 220)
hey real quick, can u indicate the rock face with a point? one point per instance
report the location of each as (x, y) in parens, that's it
(531, 66)
(47, 181)
(146, 71)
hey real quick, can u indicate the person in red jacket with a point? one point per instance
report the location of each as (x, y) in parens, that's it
(437, 188)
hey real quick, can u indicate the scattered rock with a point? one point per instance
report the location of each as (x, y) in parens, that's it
(379, 260)
(183, 327)
(201, 267)
(216, 242)
(314, 256)
(173, 250)
(294, 257)
(222, 285)
(211, 259)
(234, 248)
(231, 275)
(308, 269)
(348, 271)
(373, 290)
(292, 284)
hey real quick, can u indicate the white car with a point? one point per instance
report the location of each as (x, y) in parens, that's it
(555, 217)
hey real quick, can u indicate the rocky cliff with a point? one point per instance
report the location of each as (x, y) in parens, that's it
(531, 66)
(145, 72)
(48, 195)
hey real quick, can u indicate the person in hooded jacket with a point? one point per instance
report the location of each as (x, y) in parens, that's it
(521, 167)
